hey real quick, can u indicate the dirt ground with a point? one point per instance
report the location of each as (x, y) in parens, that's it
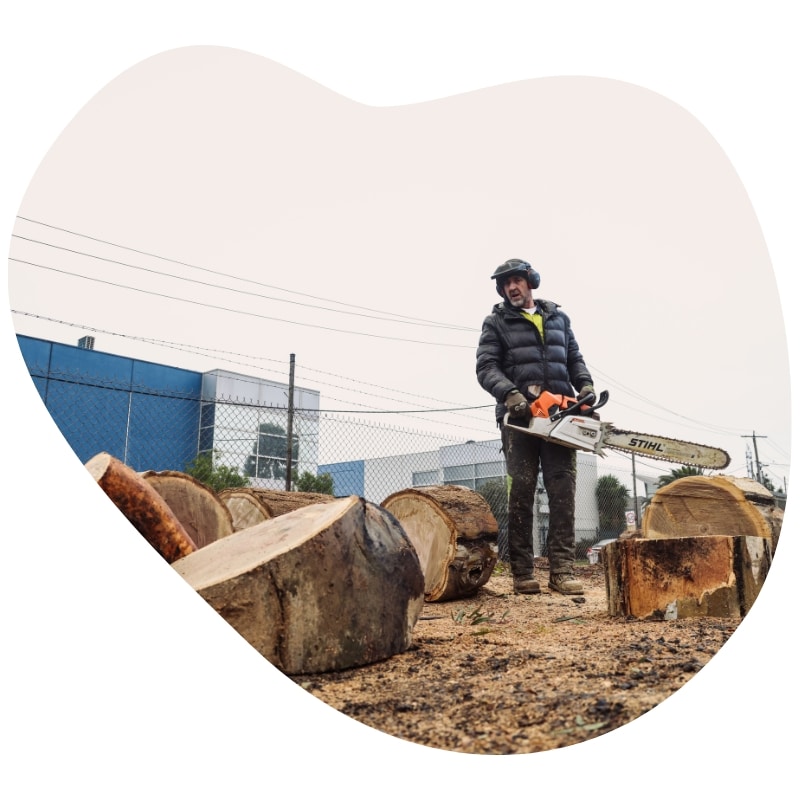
(500, 673)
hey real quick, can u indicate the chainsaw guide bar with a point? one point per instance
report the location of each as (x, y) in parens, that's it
(665, 449)
(577, 425)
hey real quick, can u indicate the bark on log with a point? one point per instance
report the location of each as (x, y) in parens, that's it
(203, 515)
(142, 505)
(454, 533)
(328, 586)
(690, 576)
(250, 503)
(719, 505)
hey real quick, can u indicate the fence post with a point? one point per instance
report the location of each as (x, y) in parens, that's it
(290, 425)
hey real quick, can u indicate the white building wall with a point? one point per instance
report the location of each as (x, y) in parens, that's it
(384, 476)
(587, 517)
(245, 402)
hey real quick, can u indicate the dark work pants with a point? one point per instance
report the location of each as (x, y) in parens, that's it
(525, 455)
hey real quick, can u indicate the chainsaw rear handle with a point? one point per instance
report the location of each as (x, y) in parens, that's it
(588, 405)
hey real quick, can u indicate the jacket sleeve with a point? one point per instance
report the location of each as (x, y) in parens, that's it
(489, 362)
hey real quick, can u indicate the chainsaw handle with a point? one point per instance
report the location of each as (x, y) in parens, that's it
(601, 401)
(588, 405)
(591, 402)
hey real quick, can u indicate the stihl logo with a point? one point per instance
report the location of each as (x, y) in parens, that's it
(646, 445)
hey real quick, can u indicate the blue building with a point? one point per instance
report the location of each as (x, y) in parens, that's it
(158, 417)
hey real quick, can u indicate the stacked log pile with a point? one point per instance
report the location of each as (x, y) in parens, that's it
(705, 549)
(701, 506)
(313, 582)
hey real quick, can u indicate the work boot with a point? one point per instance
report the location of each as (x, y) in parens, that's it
(565, 583)
(525, 584)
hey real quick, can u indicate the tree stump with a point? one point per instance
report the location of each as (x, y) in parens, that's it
(142, 505)
(721, 505)
(454, 533)
(689, 576)
(203, 515)
(328, 586)
(249, 505)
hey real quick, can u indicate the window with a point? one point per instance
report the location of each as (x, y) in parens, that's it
(474, 475)
(427, 478)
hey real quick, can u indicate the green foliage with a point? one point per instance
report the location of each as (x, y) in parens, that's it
(612, 502)
(216, 477)
(768, 484)
(681, 472)
(495, 493)
(307, 482)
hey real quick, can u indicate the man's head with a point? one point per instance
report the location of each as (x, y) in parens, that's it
(515, 279)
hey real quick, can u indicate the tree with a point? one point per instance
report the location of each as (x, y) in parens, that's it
(307, 482)
(268, 459)
(681, 472)
(612, 502)
(216, 477)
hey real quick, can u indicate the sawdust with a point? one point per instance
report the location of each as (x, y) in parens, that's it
(500, 673)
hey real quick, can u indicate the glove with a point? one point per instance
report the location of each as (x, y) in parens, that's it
(588, 389)
(516, 404)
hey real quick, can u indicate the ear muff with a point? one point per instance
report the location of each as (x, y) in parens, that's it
(515, 266)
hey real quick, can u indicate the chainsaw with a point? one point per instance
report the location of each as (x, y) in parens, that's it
(576, 424)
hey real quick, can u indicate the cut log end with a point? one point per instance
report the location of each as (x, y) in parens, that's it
(203, 515)
(454, 533)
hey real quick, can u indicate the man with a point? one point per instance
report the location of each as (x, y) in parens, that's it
(527, 346)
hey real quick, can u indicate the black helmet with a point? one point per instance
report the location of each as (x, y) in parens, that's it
(514, 266)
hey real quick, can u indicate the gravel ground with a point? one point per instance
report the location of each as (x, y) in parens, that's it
(500, 673)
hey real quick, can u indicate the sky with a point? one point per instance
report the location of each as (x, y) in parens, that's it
(356, 164)
(232, 212)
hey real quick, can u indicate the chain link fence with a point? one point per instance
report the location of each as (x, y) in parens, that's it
(278, 447)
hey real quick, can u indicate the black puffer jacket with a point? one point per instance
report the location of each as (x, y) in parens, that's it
(512, 355)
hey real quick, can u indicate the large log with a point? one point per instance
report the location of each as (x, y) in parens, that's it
(203, 515)
(142, 505)
(719, 505)
(454, 533)
(690, 576)
(325, 587)
(251, 505)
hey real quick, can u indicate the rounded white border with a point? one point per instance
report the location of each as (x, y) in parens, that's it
(104, 689)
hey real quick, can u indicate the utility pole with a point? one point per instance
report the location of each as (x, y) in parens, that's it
(635, 497)
(290, 425)
(759, 474)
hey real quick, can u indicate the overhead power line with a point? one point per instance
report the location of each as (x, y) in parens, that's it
(385, 316)
(225, 356)
(239, 311)
(397, 317)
